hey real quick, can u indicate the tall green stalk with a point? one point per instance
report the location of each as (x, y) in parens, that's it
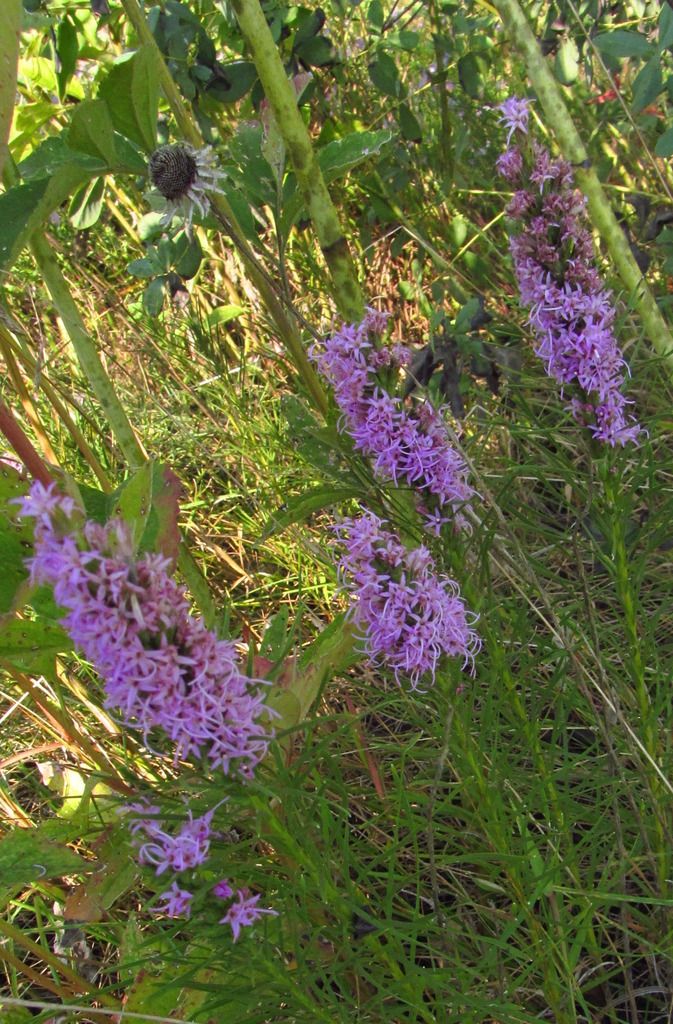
(282, 99)
(12, 11)
(572, 147)
(284, 321)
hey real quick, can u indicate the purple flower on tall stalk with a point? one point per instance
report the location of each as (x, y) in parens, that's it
(408, 446)
(177, 902)
(409, 616)
(183, 851)
(244, 912)
(570, 310)
(160, 664)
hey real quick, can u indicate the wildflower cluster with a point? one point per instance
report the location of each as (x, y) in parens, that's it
(411, 616)
(570, 310)
(185, 850)
(407, 446)
(162, 668)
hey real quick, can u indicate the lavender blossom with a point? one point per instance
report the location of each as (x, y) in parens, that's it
(409, 616)
(244, 912)
(571, 311)
(161, 666)
(406, 446)
(183, 851)
(177, 902)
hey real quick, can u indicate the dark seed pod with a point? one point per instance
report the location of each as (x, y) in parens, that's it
(172, 171)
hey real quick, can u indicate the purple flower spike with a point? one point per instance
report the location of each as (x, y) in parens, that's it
(571, 312)
(411, 447)
(244, 912)
(514, 113)
(160, 664)
(409, 616)
(177, 902)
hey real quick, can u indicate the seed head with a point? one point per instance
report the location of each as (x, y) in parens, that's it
(173, 171)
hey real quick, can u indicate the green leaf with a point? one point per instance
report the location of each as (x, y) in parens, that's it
(148, 501)
(154, 295)
(566, 63)
(67, 49)
(91, 131)
(144, 269)
(343, 154)
(87, 204)
(664, 146)
(29, 855)
(665, 27)
(315, 52)
(32, 646)
(647, 85)
(26, 207)
(622, 43)
(375, 15)
(230, 82)
(385, 76)
(274, 642)
(131, 91)
(188, 260)
(470, 76)
(223, 314)
(16, 537)
(299, 508)
(409, 124)
(10, 24)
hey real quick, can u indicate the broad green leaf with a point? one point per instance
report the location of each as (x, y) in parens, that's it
(332, 651)
(409, 124)
(375, 15)
(343, 154)
(9, 55)
(622, 43)
(16, 537)
(37, 854)
(648, 84)
(26, 207)
(665, 26)
(32, 646)
(566, 63)
(131, 91)
(470, 76)
(298, 509)
(67, 50)
(91, 131)
(188, 256)
(385, 76)
(87, 204)
(148, 501)
(223, 314)
(143, 268)
(230, 82)
(154, 296)
(274, 642)
(664, 146)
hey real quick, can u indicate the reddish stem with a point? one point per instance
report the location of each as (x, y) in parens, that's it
(23, 447)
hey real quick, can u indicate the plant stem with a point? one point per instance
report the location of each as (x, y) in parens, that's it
(282, 99)
(23, 447)
(86, 352)
(284, 322)
(572, 147)
(12, 11)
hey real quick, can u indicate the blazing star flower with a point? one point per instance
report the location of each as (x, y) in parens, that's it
(184, 176)
(244, 912)
(160, 664)
(571, 311)
(408, 446)
(409, 616)
(177, 902)
(514, 114)
(183, 851)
